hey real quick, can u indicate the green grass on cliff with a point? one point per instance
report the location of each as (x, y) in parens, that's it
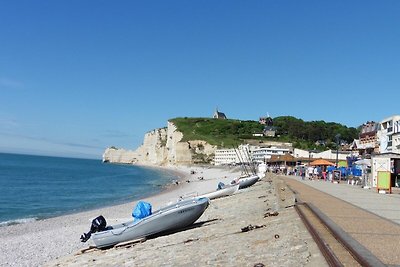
(222, 133)
(231, 133)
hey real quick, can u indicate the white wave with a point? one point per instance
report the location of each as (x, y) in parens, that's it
(17, 221)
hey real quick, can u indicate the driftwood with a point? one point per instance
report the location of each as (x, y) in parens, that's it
(252, 227)
(126, 244)
(88, 249)
(130, 243)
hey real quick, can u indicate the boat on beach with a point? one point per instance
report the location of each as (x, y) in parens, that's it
(247, 181)
(227, 190)
(169, 218)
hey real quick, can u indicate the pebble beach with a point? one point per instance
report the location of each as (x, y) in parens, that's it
(257, 225)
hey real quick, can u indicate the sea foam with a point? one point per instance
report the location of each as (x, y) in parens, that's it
(18, 221)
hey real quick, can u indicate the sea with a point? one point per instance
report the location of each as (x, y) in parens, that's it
(39, 187)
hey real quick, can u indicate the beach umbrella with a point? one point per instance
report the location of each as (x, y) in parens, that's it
(365, 162)
(321, 162)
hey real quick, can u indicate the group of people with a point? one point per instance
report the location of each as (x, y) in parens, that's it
(313, 172)
(305, 172)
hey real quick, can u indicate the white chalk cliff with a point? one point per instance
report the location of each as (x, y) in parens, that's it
(163, 146)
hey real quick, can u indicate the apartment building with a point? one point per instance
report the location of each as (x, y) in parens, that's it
(389, 135)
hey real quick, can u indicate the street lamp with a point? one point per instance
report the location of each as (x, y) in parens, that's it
(337, 149)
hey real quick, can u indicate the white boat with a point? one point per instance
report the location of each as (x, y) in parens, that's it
(172, 217)
(227, 190)
(247, 181)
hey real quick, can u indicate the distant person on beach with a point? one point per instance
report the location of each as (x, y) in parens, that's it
(330, 176)
(316, 173)
(310, 172)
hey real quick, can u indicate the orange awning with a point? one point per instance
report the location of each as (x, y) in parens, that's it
(321, 162)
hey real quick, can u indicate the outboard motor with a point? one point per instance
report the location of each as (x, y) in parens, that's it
(98, 225)
(221, 185)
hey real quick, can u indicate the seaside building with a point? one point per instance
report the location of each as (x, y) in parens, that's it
(388, 159)
(367, 144)
(305, 156)
(331, 155)
(282, 161)
(389, 135)
(232, 156)
(248, 153)
(263, 154)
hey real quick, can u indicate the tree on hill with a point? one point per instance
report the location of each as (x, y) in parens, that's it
(231, 133)
(314, 131)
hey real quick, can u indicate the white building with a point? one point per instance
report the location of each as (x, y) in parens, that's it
(327, 154)
(389, 135)
(228, 156)
(247, 153)
(331, 154)
(300, 153)
(262, 154)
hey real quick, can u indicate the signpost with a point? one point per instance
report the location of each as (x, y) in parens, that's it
(384, 181)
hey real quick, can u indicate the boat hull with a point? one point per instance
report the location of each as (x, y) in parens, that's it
(248, 181)
(229, 190)
(170, 218)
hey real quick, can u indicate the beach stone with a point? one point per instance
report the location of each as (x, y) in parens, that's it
(220, 241)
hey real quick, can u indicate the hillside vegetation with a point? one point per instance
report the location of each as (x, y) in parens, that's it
(305, 134)
(230, 133)
(222, 133)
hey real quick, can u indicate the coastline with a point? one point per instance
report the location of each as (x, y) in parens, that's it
(257, 226)
(177, 174)
(37, 242)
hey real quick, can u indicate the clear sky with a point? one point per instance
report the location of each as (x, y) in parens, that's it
(79, 76)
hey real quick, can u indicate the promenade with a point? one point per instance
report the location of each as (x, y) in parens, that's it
(383, 205)
(372, 219)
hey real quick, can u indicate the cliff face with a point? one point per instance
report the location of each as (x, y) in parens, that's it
(163, 147)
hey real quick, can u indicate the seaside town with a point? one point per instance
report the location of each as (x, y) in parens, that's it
(199, 133)
(376, 151)
(264, 204)
(359, 161)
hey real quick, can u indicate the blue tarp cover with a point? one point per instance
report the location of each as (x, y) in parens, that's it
(355, 170)
(142, 210)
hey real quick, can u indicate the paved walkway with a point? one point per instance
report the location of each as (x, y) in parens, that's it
(383, 205)
(371, 219)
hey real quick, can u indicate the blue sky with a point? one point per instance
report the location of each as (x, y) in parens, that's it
(79, 76)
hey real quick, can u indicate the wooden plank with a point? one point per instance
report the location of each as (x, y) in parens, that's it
(130, 242)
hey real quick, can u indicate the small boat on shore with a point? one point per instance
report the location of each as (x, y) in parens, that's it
(169, 218)
(247, 181)
(227, 190)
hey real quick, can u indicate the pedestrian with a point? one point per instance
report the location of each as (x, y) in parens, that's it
(316, 172)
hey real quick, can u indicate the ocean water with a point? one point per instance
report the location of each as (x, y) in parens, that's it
(37, 187)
